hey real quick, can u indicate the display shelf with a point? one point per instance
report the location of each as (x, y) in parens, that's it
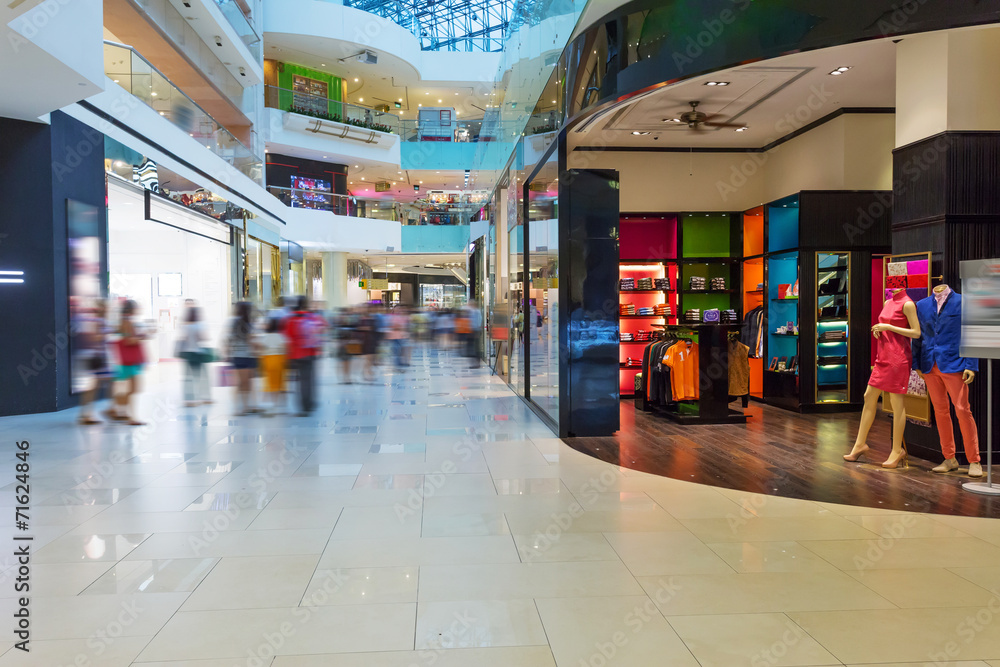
(784, 298)
(754, 291)
(644, 317)
(775, 333)
(708, 291)
(647, 291)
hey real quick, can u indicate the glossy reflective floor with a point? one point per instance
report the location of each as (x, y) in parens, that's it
(432, 520)
(788, 454)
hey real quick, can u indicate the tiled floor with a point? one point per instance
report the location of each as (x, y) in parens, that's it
(431, 519)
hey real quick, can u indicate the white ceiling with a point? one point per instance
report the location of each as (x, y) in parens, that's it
(772, 98)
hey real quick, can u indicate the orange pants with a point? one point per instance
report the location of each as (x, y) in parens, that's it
(941, 387)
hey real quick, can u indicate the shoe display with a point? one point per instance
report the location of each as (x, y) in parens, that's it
(946, 466)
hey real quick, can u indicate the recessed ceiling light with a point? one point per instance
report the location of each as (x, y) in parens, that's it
(420, 105)
(638, 133)
(362, 178)
(400, 99)
(716, 83)
(361, 99)
(153, 94)
(324, 157)
(836, 72)
(553, 101)
(439, 101)
(671, 120)
(427, 93)
(355, 79)
(322, 64)
(116, 80)
(843, 69)
(742, 129)
(456, 94)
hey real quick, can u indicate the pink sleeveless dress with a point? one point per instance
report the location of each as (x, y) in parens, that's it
(894, 358)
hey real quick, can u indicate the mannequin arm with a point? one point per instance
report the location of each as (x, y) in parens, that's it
(910, 310)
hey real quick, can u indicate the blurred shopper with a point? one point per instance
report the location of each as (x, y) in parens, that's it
(474, 324)
(304, 330)
(397, 326)
(345, 326)
(92, 336)
(196, 355)
(368, 334)
(519, 326)
(131, 359)
(242, 349)
(273, 359)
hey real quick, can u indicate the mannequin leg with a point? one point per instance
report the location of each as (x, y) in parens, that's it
(898, 454)
(959, 393)
(938, 393)
(867, 419)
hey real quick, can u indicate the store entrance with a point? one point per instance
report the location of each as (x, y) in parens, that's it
(160, 265)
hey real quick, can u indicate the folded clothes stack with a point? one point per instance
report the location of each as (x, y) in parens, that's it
(718, 283)
(625, 337)
(626, 309)
(662, 310)
(729, 317)
(692, 316)
(644, 284)
(697, 284)
(662, 283)
(626, 284)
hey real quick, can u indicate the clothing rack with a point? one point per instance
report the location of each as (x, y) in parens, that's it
(713, 372)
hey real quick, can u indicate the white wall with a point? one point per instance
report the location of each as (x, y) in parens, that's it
(322, 230)
(921, 87)
(279, 138)
(852, 152)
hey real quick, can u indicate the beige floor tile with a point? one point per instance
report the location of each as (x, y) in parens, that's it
(366, 523)
(652, 554)
(900, 526)
(247, 633)
(976, 663)
(373, 585)
(178, 575)
(265, 662)
(889, 554)
(764, 592)
(907, 635)
(750, 640)
(478, 624)
(167, 522)
(987, 577)
(232, 543)
(525, 580)
(56, 579)
(625, 631)
(918, 588)
(746, 527)
(692, 501)
(564, 547)
(615, 501)
(763, 505)
(412, 551)
(529, 656)
(577, 520)
(465, 524)
(83, 616)
(770, 557)
(94, 548)
(852, 510)
(277, 519)
(253, 583)
(107, 652)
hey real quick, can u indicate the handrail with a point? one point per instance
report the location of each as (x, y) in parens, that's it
(412, 213)
(276, 97)
(185, 112)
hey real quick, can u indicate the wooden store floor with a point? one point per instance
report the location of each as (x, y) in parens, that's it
(787, 454)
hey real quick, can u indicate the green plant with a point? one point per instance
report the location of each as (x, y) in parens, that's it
(311, 113)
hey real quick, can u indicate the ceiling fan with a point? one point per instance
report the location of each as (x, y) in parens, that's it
(697, 120)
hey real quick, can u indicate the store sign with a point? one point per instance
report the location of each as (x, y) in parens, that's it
(383, 186)
(374, 284)
(980, 309)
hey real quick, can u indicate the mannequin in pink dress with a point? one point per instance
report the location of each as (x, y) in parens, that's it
(897, 323)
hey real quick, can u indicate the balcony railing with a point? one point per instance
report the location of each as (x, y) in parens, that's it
(124, 66)
(323, 108)
(405, 212)
(241, 24)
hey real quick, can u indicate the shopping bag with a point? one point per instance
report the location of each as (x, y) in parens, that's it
(226, 376)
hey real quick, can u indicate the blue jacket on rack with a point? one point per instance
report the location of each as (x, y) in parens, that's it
(940, 335)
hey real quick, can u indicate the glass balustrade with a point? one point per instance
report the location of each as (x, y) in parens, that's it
(404, 212)
(324, 108)
(128, 69)
(241, 24)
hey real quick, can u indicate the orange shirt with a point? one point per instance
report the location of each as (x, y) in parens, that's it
(682, 359)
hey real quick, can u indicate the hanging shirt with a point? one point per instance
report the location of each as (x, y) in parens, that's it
(739, 369)
(682, 359)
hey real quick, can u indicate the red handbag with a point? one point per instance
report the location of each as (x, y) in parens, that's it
(130, 354)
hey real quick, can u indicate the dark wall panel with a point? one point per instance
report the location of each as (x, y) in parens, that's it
(839, 219)
(588, 297)
(42, 167)
(281, 168)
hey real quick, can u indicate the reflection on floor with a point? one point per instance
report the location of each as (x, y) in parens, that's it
(787, 454)
(430, 519)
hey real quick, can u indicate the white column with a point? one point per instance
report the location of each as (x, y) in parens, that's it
(335, 279)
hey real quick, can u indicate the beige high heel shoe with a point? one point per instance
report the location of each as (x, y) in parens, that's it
(902, 458)
(852, 457)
